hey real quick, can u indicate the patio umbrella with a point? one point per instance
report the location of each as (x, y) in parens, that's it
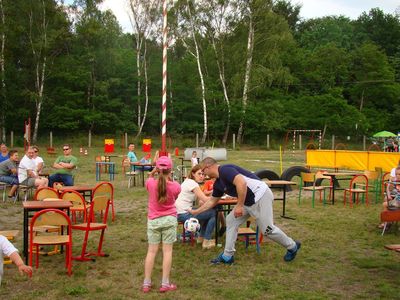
(384, 134)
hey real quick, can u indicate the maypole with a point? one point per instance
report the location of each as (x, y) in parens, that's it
(164, 83)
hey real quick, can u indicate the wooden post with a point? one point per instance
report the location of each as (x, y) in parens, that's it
(197, 140)
(51, 139)
(126, 140)
(90, 139)
(233, 141)
(300, 142)
(12, 139)
(364, 142)
(268, 141)
(333, 142)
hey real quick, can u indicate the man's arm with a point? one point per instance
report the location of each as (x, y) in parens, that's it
(206, 206)
(241, 189)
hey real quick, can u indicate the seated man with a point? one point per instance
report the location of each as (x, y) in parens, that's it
(131, 155)
(64, 165)
(27, 171)
(39, 163)
(3, 152)
(8, 172)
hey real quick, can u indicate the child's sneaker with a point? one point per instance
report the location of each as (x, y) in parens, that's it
(146, 288)
(221, 260)
(167, 287)
(291, 254)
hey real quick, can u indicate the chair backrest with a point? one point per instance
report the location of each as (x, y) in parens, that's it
(307, 177)
(359, 179)
(104, 188)
(100, 204)
(51, 216)
(46, 192)
(372, 175)
(76, 199)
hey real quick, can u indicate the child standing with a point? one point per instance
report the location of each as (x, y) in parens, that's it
(161, 222)
(194, 159)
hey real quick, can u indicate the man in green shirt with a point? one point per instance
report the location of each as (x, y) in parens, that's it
(64, 165)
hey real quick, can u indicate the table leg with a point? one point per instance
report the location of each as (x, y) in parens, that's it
(143, 176)
(333, 189)
(98, 171)
(25, 230)
(216, 225)
(284, 204)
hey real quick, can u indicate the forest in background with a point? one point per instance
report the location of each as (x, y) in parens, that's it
(245, 67)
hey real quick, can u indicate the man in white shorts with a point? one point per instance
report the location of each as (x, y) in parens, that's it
(26, 171)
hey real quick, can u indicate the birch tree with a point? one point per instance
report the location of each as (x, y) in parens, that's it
(143, 18)
(2, 70)
(217, 19)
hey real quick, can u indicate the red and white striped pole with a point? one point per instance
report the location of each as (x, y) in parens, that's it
(164, 83)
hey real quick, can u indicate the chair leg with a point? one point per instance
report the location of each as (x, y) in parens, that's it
(112, 210)
(83, 252)
(313, 198)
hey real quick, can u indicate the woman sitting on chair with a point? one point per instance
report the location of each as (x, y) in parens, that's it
(190, 191)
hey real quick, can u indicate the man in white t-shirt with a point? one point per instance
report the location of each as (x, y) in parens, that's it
(39, 163)
(8, 249)
(26, 171)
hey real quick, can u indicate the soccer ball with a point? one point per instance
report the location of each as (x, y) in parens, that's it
(192, 225)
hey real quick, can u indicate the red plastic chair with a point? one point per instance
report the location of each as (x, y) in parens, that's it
(51, 217)
(100, 204)
(353, 189)
(105, 189)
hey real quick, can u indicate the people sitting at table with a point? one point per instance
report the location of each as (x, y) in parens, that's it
(27, 174)
(8, 172)
(3, 152)
(39, 162)
(7, 248)
(392, 197)
(64, 166)
(134, 161)
(190, 191)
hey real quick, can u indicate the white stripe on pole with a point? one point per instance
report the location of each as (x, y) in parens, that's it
(164, 81)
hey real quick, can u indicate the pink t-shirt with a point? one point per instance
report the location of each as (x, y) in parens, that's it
(156, 209)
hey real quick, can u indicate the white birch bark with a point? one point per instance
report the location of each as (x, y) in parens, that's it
(249, 60)
(199, 69)
(40, 60)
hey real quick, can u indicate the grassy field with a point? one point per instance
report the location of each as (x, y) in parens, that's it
(342, 254)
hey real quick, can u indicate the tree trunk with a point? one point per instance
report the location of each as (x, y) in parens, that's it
(146, 90)
(362, 100)
(249, 59)
(203, 88)
(3, 106)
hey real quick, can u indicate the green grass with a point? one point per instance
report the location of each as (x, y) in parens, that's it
(342, 254)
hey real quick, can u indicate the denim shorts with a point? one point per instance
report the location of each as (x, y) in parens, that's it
(13, 180)
(162, 229)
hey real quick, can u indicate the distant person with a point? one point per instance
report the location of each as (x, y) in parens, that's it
(132, 155)
(39, 162)
(3, 152)
(161, 222)
(194, 159)
(8, 172)
(64, 165)
(390, 146)
(8, 249)
(254, 199)
(27, 171)
(393, 191)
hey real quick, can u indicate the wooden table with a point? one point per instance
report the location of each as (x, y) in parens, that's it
(142, 168)
(281, 184)
(85, 190)
(335, 186)
(32, 206)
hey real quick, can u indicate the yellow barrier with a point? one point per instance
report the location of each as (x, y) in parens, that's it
(354, 160)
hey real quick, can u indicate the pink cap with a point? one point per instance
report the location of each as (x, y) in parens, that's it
(164, 163)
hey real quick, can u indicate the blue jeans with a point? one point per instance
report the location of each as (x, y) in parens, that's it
(11, 179)
(206, 220)
(66, 179)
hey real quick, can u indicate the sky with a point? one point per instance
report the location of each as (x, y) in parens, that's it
(310, 8)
